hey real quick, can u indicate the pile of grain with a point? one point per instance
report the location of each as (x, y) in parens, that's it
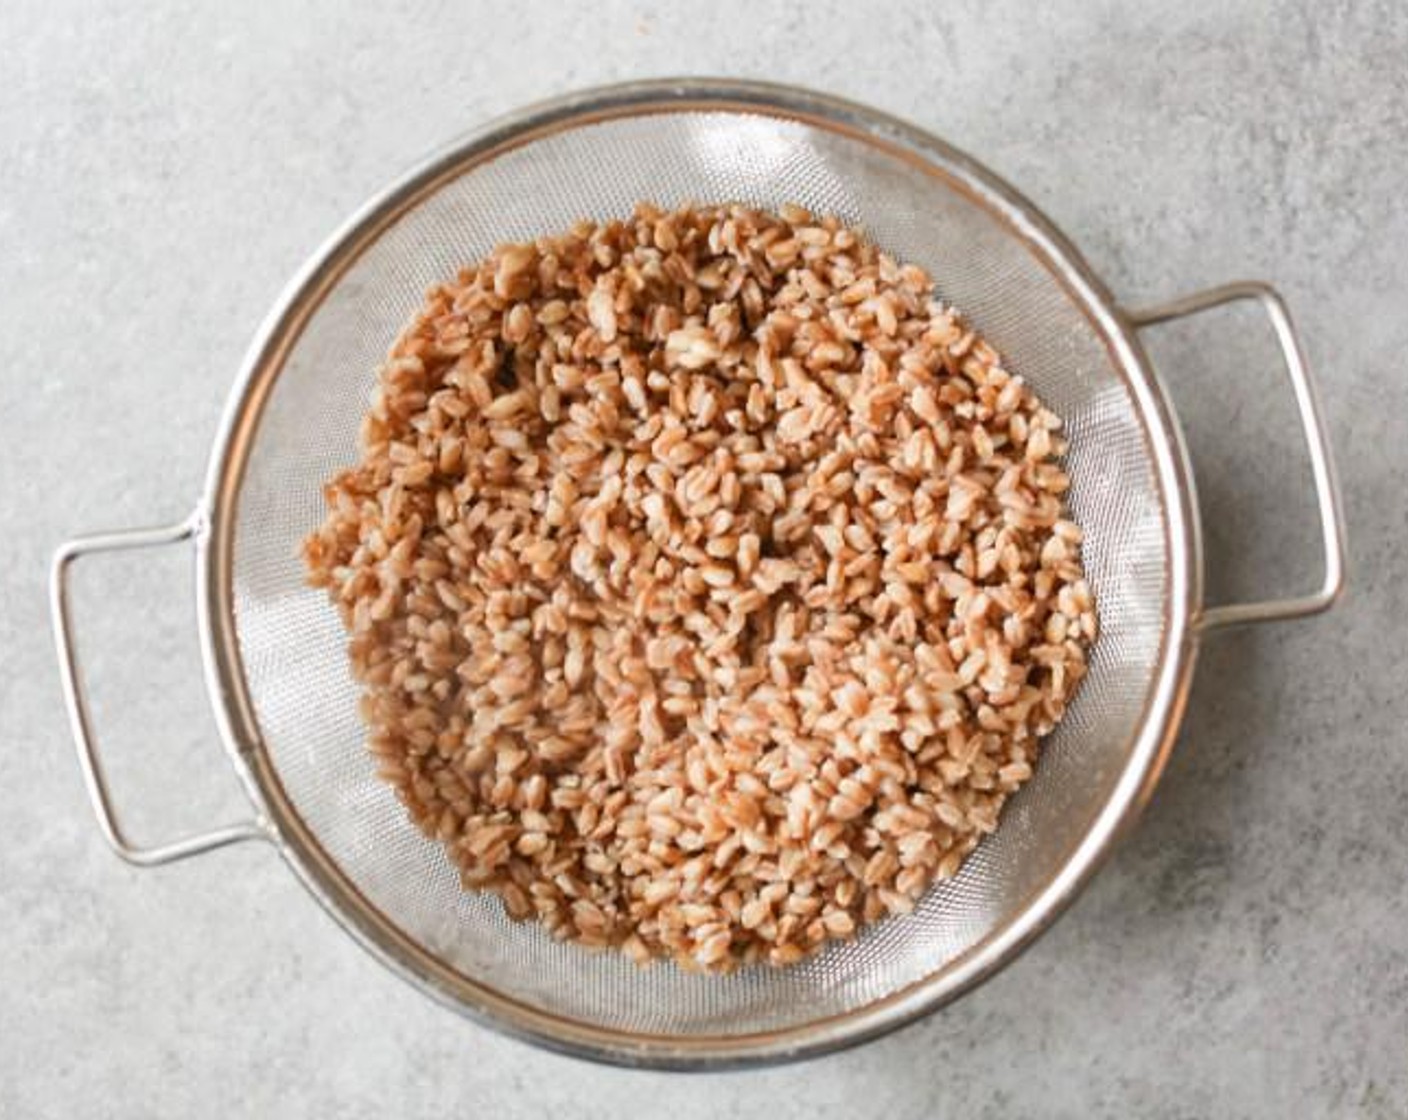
(708, 581)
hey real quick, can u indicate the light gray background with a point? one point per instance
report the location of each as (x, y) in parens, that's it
(164, 169)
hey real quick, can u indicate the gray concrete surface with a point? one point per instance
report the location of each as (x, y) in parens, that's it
(164, 168)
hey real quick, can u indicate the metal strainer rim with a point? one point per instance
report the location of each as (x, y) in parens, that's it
(330, 886)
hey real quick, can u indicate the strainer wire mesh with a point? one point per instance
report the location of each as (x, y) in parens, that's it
(291, 644)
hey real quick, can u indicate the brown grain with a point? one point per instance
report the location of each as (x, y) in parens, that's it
(709, 582)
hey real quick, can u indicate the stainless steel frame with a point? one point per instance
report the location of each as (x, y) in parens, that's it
(209, 531)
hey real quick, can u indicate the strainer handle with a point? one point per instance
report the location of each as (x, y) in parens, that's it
(1322, 465)
(80, 719)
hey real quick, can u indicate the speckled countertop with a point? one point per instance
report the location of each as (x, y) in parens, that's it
(164, 170)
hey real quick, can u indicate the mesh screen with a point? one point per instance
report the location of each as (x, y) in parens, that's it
(292, 644)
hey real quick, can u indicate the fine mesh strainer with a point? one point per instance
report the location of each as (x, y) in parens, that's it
(274, 648)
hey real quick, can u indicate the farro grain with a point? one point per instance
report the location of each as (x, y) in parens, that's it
(709, 582)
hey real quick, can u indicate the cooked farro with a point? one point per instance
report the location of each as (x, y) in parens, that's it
(708, 581)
